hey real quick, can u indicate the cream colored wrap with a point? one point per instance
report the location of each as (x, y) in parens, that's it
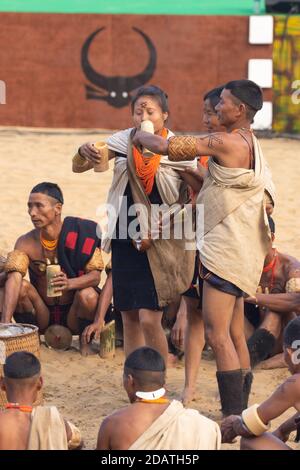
(170, 185)
(180, 428)
(236, 234)
(48, 431)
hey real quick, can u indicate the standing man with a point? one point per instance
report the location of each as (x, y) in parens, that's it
(236, 233)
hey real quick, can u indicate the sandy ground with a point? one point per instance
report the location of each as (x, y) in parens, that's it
(88, 389)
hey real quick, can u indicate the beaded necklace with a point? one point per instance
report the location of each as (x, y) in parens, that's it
(17, 406)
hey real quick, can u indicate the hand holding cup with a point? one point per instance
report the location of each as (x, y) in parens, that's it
(147, 126)
(102, 164)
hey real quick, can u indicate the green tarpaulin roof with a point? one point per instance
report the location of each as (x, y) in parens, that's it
(155, 7)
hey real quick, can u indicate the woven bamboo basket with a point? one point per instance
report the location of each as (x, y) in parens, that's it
(29, 342)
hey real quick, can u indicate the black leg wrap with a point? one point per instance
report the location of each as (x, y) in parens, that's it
(231, 391)
(260, 345)
(247, 383)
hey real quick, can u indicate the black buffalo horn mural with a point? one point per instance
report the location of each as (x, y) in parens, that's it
(118, 88)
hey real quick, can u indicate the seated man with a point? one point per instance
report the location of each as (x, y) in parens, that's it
(255, 421)
(264, 324)
(23, 427)
(74, 245)
(151, 421)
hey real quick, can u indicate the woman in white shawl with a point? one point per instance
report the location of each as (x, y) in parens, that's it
(147, 273)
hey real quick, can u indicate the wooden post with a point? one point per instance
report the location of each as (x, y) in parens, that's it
(107, 340)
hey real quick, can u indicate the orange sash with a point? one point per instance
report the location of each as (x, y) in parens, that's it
(146, 167)
(204, 161)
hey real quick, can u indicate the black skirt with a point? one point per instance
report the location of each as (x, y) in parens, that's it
(133, 283)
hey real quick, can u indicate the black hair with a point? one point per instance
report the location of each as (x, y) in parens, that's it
(147, 367)
(248, 93)
(160, 96)
(271, 224)
(50, 189)
(145, 358)
(292, 333)
(214, 96)
(21, 365)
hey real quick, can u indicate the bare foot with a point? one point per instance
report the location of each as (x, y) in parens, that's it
(188, 395)
(275, 362)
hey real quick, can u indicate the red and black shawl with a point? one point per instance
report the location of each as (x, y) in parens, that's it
(77, 242)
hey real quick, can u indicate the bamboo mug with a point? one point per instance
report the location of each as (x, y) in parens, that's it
(103, 165)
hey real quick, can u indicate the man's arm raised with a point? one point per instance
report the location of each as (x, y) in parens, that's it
(155, 143)
(221, 145)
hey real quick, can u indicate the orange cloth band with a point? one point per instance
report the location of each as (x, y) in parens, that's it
(16, 406)
(146, 167)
